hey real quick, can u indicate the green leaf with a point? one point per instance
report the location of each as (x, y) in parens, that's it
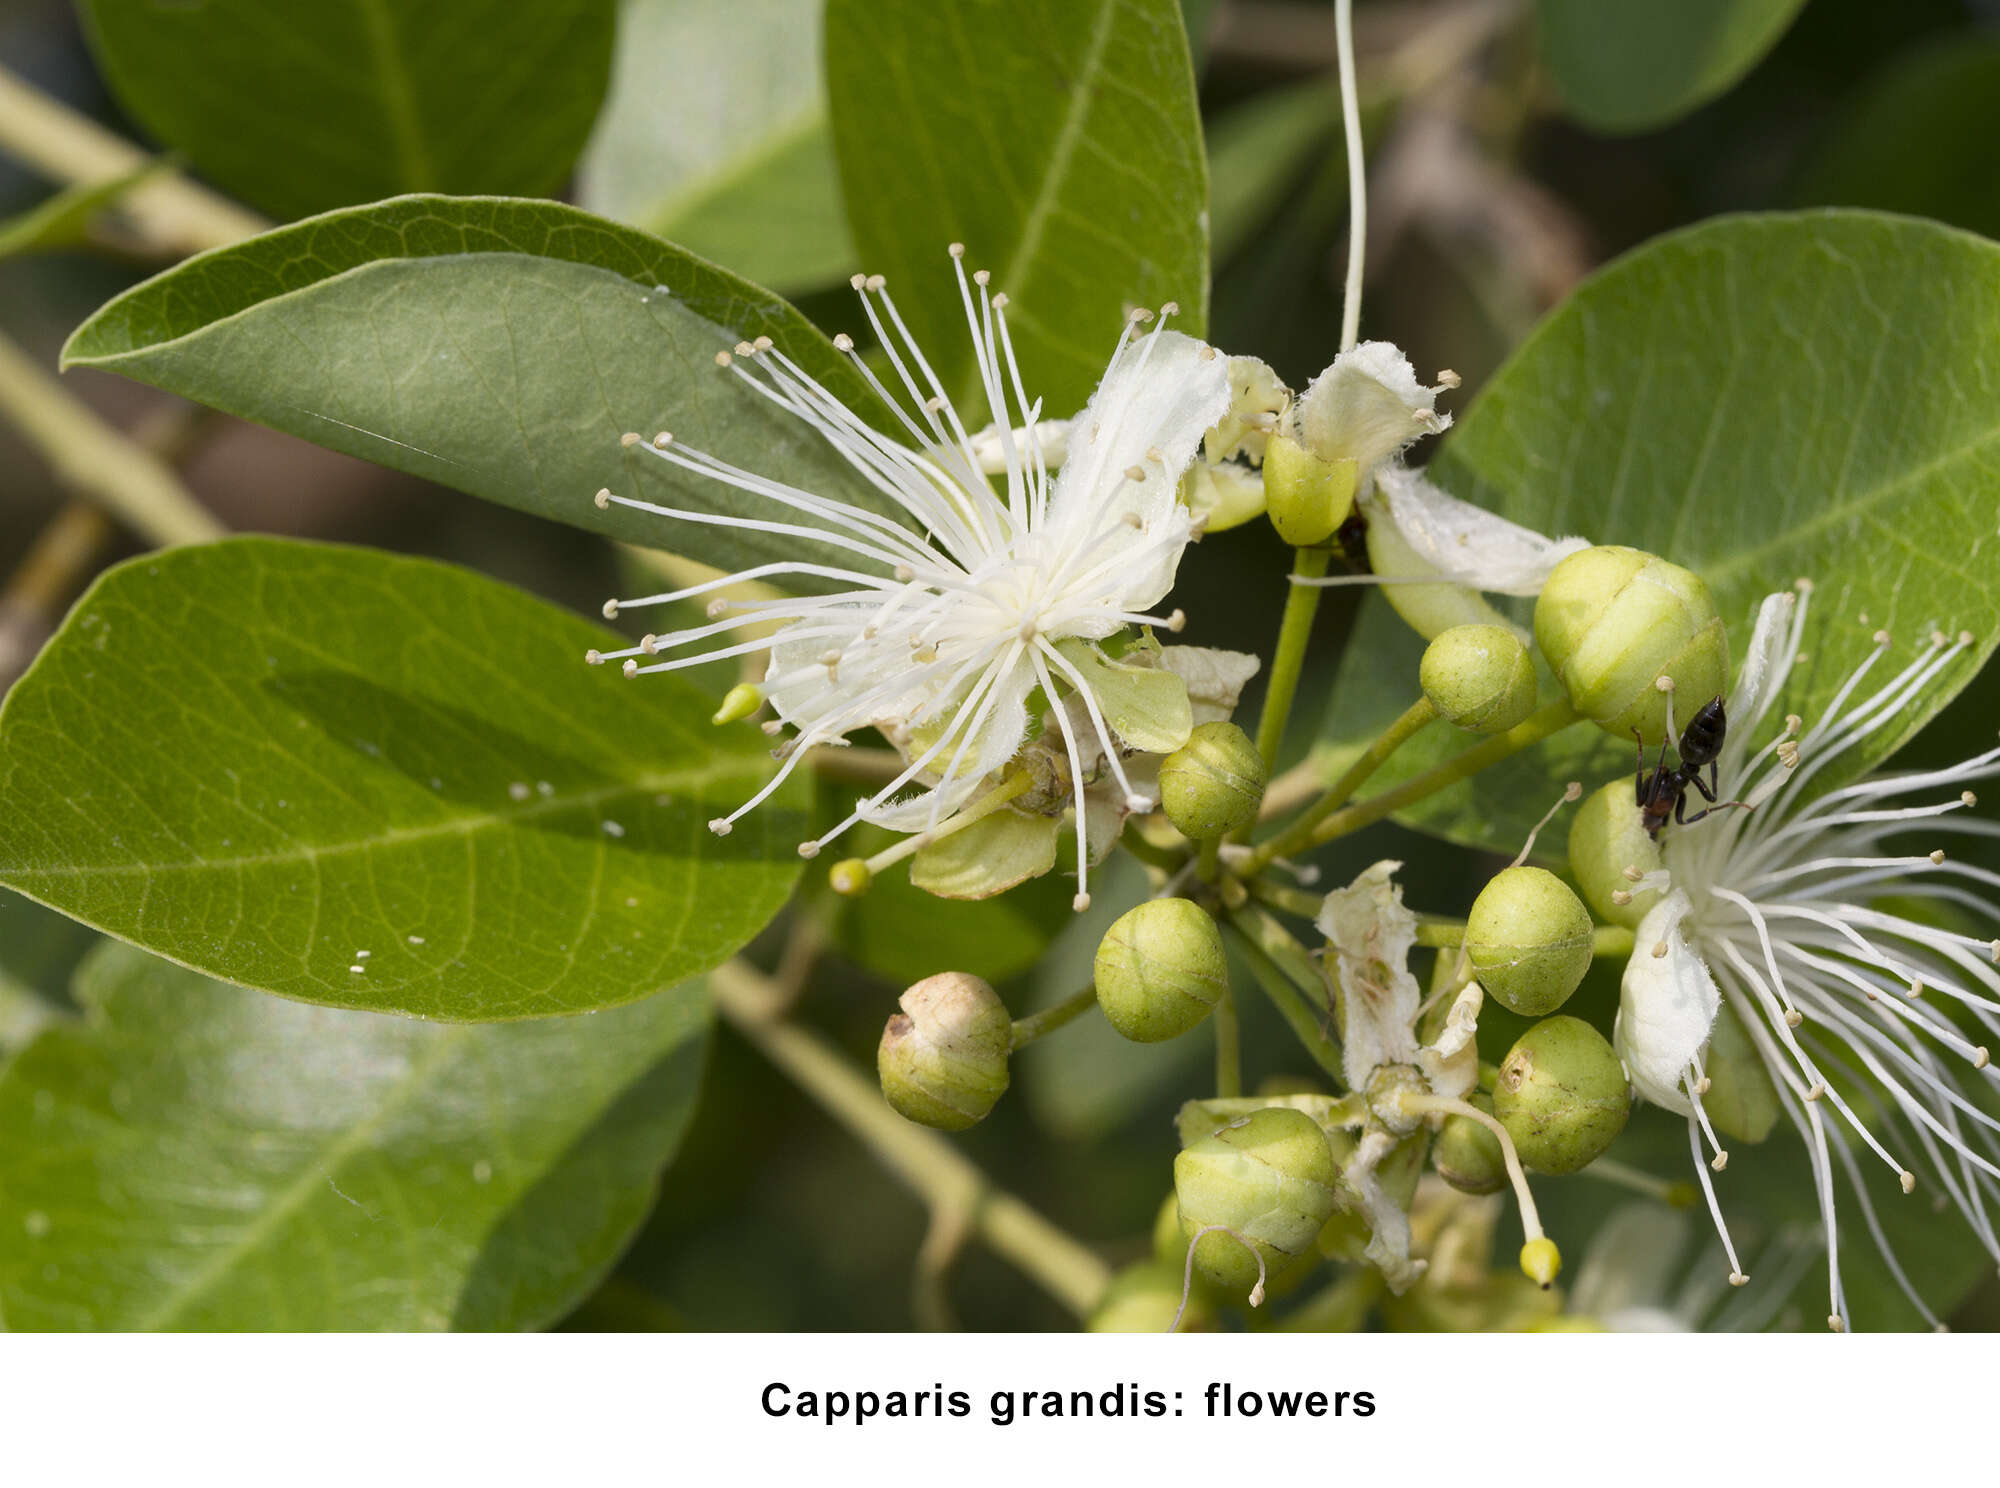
(733, 160)
(300, 108)
(194, 1156)
(1258, 151)
(500, 347)
(63, 221)
(903, 934)
(1059, 140)
(276, 762)
(1919, 140)
(1759, 399)
(1628, 65)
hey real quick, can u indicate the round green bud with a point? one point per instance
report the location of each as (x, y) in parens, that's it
(1467, 1154)
(1561, 1095)
(1608, 846)
(943, 1058)
(1214, 783)
(1271, 1178)
(1479, 677)
(1307, 498)
(1529, 940)
(1160, 970)
(1615, 622)
(1144, 1297)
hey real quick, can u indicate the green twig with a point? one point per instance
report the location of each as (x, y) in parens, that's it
(95, 460)
(1228, 1049)
(1552, 719)
(930, 1165)
(1049, 1019)
(1298, 835)
(172, 214)
(1294, 631)
(1262, 940)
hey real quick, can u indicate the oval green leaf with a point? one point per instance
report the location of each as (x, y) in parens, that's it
(1628, 65)
(499, 347)
(715, 135)
(1059, 140)
(1918, 139)
(298, 108)
(195, 1156)
(1760, 399)
(380, 782)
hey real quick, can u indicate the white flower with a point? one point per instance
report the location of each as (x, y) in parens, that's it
(1369, 406)
(1856, 1010)
(949, 621)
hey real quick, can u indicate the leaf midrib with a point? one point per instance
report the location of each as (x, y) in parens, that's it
(456, 826)
(398, 100)
(1034, 223)
(328, 1161)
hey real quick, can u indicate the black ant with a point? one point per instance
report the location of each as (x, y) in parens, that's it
(1666, 791)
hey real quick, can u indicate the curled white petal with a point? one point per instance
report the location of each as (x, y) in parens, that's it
(1367, 407)
(1467, 544)
(1370, 931)
(1667, 1004)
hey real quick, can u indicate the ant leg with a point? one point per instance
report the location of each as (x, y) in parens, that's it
(1707, 791)
(1680, 805)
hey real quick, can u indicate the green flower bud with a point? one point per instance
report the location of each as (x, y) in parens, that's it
(1160, 970)
(1479, 677)
(1144, 1297)
(1529, 940)
(1614, 621)
(742, 700)
(1271, 1178)
(943, 1058)
(1607, 838)
(1214, 783)
(1467, 1155)
(1307, 497)
(1561, 1095)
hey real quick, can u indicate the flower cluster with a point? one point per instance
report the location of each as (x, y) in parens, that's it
(957, 611)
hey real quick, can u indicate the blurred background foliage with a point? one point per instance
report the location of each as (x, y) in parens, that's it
(1496, 186)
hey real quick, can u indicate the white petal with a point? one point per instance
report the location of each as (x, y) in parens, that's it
(1367, 406)
(1750, 698)
(1370, 932)
(1666, 1007)
(1215, 679)
(1465, 543)
(1051, 435)
(1147, 417)
(1256, 398)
